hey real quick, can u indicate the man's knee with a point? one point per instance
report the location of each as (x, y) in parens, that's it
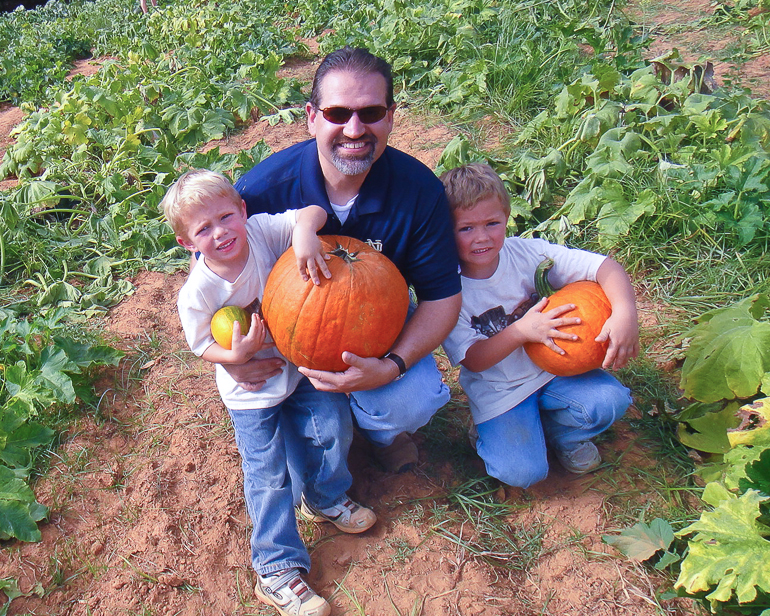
(519, 475)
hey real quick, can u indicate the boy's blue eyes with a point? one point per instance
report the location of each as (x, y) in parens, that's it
(492, 223)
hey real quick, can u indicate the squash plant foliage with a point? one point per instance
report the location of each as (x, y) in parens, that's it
(722, 558)
(44, 369)
(632, 157)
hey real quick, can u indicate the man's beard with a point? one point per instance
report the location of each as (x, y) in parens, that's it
(354, 166)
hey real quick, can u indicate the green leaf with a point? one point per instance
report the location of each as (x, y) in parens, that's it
(642, 541)
(26, 387)
(18, 437)
(9, 587)
(709, 432)
(85, 355)
(754, 427)
(19, 511)
(729, 553)
(733, 468)
(729, 354)
(617, 214)
(757, 475)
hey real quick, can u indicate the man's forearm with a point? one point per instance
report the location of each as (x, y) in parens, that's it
(427, 328)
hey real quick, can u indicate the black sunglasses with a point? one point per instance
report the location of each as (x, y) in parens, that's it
(342, 115)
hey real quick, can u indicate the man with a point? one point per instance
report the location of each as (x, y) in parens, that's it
(395, 203)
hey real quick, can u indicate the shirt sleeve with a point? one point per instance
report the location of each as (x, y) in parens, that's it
(195, 314)
(433, 265)
(273, 231)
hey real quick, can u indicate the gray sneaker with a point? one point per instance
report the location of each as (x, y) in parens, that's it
(583, 459)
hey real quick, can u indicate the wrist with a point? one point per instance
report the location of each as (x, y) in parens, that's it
(398, 361)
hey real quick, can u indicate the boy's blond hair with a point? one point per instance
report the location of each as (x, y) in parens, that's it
(192, 191)
(465, 186)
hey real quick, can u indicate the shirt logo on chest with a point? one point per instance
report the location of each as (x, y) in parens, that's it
(376, 244)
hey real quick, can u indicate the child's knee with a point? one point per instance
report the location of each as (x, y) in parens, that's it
(614, 403)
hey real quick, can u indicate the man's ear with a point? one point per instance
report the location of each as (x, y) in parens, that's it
(311, 115)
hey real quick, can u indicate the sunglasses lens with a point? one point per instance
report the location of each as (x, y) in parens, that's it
(342, 115)
(370, 115)
(337, 115)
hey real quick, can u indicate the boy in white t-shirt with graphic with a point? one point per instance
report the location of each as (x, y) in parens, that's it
(236, 255)
(519, 410)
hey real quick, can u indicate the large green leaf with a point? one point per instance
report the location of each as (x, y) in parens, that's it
(729, 355)
(18, 437)
(709, 431)
(19, 511)
(729, 553)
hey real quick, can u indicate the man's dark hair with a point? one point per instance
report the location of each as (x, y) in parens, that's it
(354, 60)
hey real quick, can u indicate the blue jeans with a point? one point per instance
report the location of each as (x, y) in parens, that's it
(564, 413)
(400, 406)
(319, 429)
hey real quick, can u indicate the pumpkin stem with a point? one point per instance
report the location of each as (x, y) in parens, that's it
(542, 286)
(347, 257)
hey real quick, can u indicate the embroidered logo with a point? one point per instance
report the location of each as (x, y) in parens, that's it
(376, 244)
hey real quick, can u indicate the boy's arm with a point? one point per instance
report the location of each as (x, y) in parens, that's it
(534, 326)
(622, 328)
(307, 247)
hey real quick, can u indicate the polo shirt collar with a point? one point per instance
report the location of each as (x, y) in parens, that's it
(372, 196)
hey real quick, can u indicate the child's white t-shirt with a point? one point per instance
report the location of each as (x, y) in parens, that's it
(487, 306)
(205, 292)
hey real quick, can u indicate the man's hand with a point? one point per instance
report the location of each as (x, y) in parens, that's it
(253, 375)
(364, 373)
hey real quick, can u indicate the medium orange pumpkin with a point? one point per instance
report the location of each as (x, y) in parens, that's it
(222, 324)
(361, 308)
(593, 308)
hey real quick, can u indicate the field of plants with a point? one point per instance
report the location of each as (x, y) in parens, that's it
(119, 479)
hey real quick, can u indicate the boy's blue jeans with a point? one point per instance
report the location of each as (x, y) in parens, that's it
(321, 425)
(562, 414)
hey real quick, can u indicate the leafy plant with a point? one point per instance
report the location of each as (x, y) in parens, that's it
(42, 369)
(721, 558)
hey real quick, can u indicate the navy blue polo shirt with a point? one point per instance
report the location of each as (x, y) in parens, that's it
(401, 210)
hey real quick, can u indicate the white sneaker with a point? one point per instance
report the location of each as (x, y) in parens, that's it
(583, 459)
(287, 592)
(348, 516)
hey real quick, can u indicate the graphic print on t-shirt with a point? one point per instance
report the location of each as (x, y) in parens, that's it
(494, 320)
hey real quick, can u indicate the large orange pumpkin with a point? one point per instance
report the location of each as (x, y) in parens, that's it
(361, 308)
(593, 308)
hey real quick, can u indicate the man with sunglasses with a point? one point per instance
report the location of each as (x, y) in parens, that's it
(389, 199)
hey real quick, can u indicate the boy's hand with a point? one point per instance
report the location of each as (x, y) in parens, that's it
(539, 326)
(623, 334)
(310, 255)
(245, 347)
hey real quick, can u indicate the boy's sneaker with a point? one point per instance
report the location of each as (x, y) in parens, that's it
(287, 592)
(583, 459)
(348, 516)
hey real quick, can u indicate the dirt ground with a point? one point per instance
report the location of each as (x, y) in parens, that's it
(148, 517)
